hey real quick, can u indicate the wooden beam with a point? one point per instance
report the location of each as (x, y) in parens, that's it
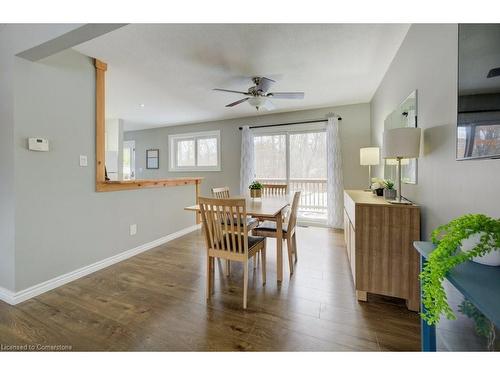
(144, 184)
(100, 121)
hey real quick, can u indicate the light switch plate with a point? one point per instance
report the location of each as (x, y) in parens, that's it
(133, 229)
(83, 161)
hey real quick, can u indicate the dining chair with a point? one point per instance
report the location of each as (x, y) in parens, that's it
(223, 193)
(220, 192)
(222, 222)
(274, 189)
(268, 229)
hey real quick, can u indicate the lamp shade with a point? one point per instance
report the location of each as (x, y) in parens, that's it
(401, 143)
(369, 156)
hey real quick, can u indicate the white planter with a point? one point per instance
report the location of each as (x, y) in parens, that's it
(490, 259)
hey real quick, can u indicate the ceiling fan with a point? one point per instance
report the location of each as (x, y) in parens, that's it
(258, 96)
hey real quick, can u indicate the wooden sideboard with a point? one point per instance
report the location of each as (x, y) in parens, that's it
(379, 242)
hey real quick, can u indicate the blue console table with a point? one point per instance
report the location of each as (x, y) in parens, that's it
(477, 283)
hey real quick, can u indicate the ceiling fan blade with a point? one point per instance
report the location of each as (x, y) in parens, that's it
(264, 84)
(286, 95)
(235, 92)
(237, 102)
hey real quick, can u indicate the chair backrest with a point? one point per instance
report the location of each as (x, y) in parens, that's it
(274, 189)
(295, 208)
(220, 192)
(223, 220)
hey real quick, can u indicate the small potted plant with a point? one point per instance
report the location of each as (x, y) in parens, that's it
(453, 248)
(255, 189)
(389, 191)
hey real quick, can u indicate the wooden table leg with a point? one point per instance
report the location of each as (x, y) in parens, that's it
(279, 247)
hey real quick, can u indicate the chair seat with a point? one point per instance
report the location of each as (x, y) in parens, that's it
(271, 226)
(252, 241)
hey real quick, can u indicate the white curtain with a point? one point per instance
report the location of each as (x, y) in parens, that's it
(335, 183)
(247, 166)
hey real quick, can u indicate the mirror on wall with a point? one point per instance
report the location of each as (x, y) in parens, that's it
(405, 115)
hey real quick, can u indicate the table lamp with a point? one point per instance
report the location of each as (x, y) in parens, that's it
(369, 156)
(401, 143)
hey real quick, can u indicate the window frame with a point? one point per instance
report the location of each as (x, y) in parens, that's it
(173, 140)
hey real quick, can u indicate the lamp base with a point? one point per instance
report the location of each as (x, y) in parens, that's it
(402, 201)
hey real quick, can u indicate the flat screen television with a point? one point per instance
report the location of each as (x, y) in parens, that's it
(478, 118)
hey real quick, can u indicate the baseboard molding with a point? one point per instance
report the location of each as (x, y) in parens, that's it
(13, 298)
(7, 296)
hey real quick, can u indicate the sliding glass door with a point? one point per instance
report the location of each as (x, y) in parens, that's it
(297, 158)
(271, 157)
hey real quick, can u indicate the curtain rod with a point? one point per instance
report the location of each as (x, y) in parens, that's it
(288, 123)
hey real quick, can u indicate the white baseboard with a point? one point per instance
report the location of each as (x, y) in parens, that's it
(6, 296)
(13, 298)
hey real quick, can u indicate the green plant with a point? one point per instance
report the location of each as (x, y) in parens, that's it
(484, 327)
(389, 184)
(255, 185)
(447, 256)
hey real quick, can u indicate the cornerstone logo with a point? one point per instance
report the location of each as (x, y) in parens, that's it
(34, 348)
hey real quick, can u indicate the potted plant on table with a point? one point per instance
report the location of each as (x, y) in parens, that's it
(255, 189)
(389, 191)
(469, 237)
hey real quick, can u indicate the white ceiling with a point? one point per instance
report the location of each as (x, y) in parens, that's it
(172, 68)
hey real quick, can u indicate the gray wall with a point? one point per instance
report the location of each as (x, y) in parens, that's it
(14, 38)
(61, 223)
(427, 61)
(354, 127)
(7, 200)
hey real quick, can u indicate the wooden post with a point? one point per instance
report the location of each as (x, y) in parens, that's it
(100, 126)
(197, 192)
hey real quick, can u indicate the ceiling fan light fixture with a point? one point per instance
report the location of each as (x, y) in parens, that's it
(258, 101)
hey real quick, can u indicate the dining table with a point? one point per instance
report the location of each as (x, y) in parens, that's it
(269, 208)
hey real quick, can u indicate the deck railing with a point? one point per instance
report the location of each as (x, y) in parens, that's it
(313, 192)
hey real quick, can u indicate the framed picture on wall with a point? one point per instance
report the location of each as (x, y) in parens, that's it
(153, 158)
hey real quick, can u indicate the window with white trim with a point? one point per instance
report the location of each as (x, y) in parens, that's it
(195, 151)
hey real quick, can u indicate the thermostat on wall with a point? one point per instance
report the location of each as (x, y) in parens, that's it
(38, 144)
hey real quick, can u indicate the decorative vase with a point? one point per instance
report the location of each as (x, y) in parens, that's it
(390, 194)
(490, 259)
(379, 192)
(255, 193)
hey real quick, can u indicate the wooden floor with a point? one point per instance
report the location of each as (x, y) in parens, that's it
(156, 301)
